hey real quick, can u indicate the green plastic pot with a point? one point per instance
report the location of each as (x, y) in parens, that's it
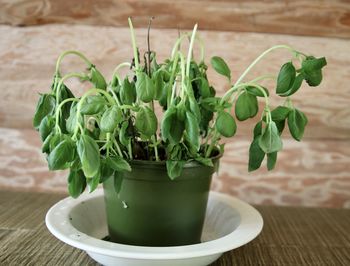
(150, 209)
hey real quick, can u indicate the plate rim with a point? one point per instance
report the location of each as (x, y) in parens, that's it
(249, 228)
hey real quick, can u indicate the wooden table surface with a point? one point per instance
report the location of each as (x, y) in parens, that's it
(291, 236)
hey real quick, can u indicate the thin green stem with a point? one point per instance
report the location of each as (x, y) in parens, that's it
(264, 77)
(155, 147)
(190, 49)
(118, 67)
(133, 40)
(118, 148)
(68, 76)
(178, 42)
(262, 56)
(60, 58)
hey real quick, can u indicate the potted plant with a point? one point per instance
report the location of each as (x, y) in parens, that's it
(156, 171)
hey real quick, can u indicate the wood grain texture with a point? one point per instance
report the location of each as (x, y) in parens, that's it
(302, 17)
(28, 58)
(290, 236)
(310, 173)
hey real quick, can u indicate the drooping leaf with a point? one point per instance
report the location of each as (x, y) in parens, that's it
(258, 129)
(270, 140)
(46, 106)
(172, 126)
(92, 183)
(46, 126)
(285, 78)
(97, 78)
(127, 92)
(63, 154)
(76, 183)
(220, 66)
(192, 130)
(271, 160)
(158, 84)
(93, 104)
(144, 87)
(106, 171)
(297, 121)
(89, 155)
(246, 106)
(118, 181)
(205, 161)
(295, 87)
(225, 124)
(146, 121)
(118, 164)
(110, 119)
(174, 168)
(280, 113)
(256, 155)
(312, 70)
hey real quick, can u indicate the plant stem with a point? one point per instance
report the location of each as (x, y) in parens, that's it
(155, 148)
(180, 40)
(133, 40)
(189, 55)
(118, 148)
(115, 71)
(68, 76)
(261, 56)
(172, 77)
(59, 60)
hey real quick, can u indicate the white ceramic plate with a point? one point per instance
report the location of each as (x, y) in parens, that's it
(81, 223)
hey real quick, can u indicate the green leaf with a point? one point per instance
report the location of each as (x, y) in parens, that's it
(220, 66)
(280, 113)
(285, 78)
(106, 171)
(97, 78)
(246, 106)
(89, 155)
(192, 130)
(72, 119)
(270, 140)
(45, 148)
(62, 155)
(92, 183)
(124, 138)
(46, 126)
(93, 104)
(144, 87)
(127, 92)
(312, 70)
(118, 164)
(110, 119)
(205, 161)
(271, 160)
(256, 155)
(295, 87)
(204, 87)
(256, 92)
(146, 121)
(258, 129)
(225, 124)
(118, 181)
(46, 106)
(172, 126)
(297, 121)
(158, 84)
(174, 168)
(76, 183)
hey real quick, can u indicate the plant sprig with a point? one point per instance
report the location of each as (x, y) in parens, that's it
(98, 134)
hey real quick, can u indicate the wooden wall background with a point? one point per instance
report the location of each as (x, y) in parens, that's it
(314, 172)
